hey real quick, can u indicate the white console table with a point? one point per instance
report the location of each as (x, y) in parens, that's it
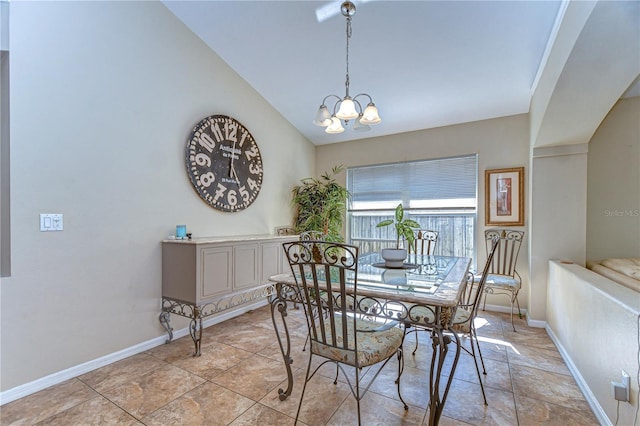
(204, 276)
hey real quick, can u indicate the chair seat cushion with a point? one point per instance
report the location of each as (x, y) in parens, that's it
(495, 280)
(376, 342)
(462, 320)
(460, 323)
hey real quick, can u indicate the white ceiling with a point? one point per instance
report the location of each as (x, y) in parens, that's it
(425, 63)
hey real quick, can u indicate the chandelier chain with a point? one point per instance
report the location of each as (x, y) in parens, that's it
(348, 38)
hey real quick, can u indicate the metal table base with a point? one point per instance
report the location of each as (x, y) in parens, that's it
(198, 311)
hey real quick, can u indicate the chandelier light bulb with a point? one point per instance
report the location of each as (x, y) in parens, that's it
(335, 126)
(347, 109)
(370, 115)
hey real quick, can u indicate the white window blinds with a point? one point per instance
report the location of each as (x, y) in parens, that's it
(440, 184)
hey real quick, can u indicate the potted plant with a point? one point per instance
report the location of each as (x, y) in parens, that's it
(394, 257)
(321, 205)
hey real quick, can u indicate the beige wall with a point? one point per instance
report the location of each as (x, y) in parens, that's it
(593, 321)
(613, 184)
(558, 196)
(576, 88)
(499, 143)
(104, 95)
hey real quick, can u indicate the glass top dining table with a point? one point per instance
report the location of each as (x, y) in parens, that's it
(425, 280)
(433, 284)
(433, 280)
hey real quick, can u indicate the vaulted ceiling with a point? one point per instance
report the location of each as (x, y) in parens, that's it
(425, 63)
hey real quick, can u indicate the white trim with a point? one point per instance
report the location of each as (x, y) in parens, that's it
(77, 370)
(582, 384)
(535, 323)
(550, 42)
(503, 309)
(558, 150)
(507, 310)
(499, 308)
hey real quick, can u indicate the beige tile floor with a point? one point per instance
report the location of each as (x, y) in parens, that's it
(236, 382)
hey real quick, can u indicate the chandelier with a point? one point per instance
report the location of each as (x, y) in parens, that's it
(347, 108)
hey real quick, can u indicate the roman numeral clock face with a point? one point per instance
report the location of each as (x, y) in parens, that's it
(224, 163)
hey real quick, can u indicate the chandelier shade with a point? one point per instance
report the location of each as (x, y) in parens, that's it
(348, 108)
(335, 126)
(370, 115)
(323, 118)
(358, 126)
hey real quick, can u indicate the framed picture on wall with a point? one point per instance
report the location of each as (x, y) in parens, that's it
(504, 196)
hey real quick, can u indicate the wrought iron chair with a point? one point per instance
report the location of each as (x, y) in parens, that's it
(340, 337)
(312, 235)
(502, 275)
(464, 319)
(423, 245)
(425, 242)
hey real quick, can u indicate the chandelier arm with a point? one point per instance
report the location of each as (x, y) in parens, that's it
(335, 107)
(324, 101)
(358, 104)
(363, 94)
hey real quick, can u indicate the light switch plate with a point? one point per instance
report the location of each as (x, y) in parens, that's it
(51, 222)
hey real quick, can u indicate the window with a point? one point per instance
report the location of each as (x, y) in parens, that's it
(440, 195)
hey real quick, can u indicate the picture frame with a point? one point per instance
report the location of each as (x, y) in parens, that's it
(504, 196)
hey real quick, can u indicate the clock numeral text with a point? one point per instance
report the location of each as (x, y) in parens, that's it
(203, 160)
(244, 194)
(231, 198)
(230, 130)
(244, 136)
(219, 192)
(252, 184)
(217, 133)
(250, 153)
(206, 142)
(255, 168)
(207, 179)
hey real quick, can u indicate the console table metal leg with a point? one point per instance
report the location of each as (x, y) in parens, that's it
(440, 343)
(164, 318)
(195, 329)
(279, 308)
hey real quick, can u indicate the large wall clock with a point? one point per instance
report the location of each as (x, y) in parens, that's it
(224, 163)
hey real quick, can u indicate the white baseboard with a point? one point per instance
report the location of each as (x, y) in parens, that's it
(502, 309)
(582, 384)
(77, 370)
(507, 310)
(535, 323)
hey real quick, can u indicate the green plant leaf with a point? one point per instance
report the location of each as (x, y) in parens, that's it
(384, 223)
(411, 223)
(320, 205)
(399, 213)
(407, 233)
(404, 227)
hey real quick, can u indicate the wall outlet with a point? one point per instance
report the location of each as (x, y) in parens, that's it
(620, 390)
(51, 222)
